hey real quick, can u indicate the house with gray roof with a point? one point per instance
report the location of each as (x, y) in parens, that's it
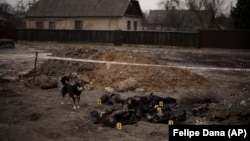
(85, 15)
(177, 20)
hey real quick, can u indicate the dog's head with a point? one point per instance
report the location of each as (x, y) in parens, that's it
(80, 86)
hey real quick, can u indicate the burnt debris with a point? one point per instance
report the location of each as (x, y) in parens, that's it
(150, 108)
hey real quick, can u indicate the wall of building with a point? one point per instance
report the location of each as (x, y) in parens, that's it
(87, 23)
(124, 20)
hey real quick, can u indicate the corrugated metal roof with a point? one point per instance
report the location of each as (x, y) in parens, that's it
(79, 8)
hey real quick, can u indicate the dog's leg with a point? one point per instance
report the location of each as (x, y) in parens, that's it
(69, 100)
(63, 93)
(62, 102)
(78, 101)
(63, 96)
(74, 102)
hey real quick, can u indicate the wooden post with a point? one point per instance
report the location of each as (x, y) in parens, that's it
(118, 38)
(34, 75)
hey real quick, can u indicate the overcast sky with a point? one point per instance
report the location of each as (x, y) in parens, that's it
(145, 4)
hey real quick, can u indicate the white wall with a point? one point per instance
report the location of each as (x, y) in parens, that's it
(88, 23)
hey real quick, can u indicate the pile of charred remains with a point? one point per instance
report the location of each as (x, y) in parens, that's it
(150, 108)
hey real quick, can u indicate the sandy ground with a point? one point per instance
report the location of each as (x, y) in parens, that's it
(31, 113)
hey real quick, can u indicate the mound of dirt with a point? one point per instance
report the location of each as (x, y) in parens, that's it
(107, 75)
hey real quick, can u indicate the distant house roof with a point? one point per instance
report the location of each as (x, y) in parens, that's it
(186, 18)
(160, 16)
(156, 17)
(83, 8)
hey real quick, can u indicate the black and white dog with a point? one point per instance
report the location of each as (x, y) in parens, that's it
(74, 90)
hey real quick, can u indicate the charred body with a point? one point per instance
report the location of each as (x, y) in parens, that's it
(151, 108)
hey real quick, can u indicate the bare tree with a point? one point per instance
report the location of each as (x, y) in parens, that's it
(173, 18)
(211, 9)
(24, 5)
(196, 6)
(21, 6)
(170, 4)
(7, 14)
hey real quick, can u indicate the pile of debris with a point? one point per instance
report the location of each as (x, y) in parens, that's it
(118, 77)
(150, 108)
(157, 109)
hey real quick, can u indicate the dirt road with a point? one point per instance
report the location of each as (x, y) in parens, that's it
(31, 113)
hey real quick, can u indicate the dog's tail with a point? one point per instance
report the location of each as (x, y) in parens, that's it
(64, 80)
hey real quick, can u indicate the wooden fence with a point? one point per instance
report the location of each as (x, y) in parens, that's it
(238, 39)
(65, 35)
(185, 39)
(232, 39)
(7, 32)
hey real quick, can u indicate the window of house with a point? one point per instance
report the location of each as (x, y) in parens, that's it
(78, 25)
(52, 25)
(135, 25)
(128, 25)
(39, 25)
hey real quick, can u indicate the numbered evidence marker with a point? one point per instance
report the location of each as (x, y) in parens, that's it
(99, 101)
(119, 126)
(161, 104)
(159, 110)
(170, 122)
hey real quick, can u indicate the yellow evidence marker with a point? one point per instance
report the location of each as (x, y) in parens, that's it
(170, 122)
(159, 110)
(161, 103)
(119, 126)
(99, 101)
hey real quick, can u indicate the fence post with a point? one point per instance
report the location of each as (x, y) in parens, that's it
(34, 75)
(118, 39)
